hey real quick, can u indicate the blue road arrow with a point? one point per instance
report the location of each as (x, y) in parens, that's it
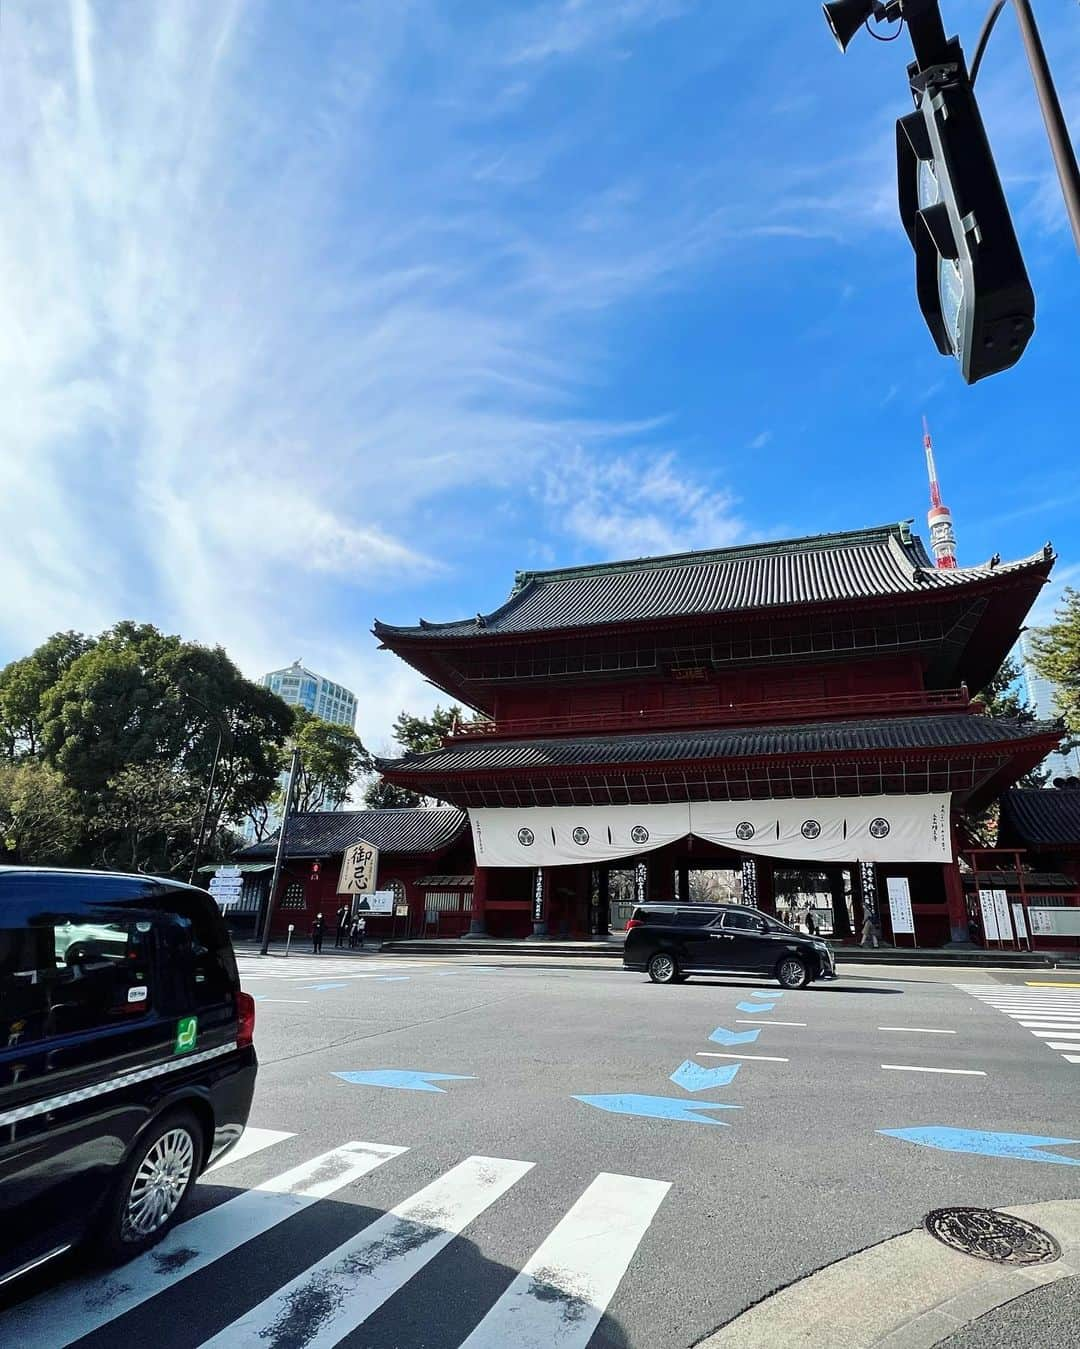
(770, 996)
(321, 988)
(734, 1037)
(754, 1007)
(658, 1107)
(402, 1078)
(1018, 1147)
(692, 1076)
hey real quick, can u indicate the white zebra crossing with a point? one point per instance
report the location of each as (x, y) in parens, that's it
(354, 1281)
(555, 1302)
(1052, 1015)
(76, 1308)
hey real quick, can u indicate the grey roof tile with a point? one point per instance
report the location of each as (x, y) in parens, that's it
(900, 733)
(885, 561)
(1041, 816)
(321, 833)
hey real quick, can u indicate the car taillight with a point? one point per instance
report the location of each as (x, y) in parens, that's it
(633, 922)
(245, 1020)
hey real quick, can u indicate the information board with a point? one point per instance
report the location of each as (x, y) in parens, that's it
(903, 920)
(1004, 921)
(382, 901)
(989, 915)
(1019, 923)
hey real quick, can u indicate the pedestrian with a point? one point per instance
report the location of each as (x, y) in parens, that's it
(361, 930)
(317, 934)
(354, 926)
(811, 926)
(869, 932)
(342, 925)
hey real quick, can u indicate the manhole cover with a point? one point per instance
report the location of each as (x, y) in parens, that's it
(990, 1235)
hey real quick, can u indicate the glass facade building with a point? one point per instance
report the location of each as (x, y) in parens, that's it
(300, 687)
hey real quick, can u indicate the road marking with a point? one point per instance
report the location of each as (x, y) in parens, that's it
(1051, 1016)
(75, 1309)
(759, 1058)
(918, 1030)
(403, 1079)
(557, 1300)
(1071, 1058)
(752, 1007)
(912, 1068)
(1069, 1031)
(1061, 983)
(250, 1142)
(295, 1002)
(1064, 1044)
(334, 1296)
(1017, 1147)
(658, 1107)
(739, 1022)
(693, 1076)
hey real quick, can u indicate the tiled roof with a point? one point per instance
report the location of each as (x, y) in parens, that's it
(885, 561)
(901, 733)
(1041, 817)
(321, 833)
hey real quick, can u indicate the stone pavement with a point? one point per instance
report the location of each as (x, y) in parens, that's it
(912, 1292)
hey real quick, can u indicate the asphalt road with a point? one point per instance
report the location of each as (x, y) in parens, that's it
(674, 1224)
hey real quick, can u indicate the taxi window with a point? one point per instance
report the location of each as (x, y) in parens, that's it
(62, 977)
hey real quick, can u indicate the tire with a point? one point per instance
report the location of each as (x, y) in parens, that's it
(150, 1192)
(791, 972)
(663, 968)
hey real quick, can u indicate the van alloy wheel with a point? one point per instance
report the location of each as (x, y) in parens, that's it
(663, 968)
(792, 973)
(159, 1184)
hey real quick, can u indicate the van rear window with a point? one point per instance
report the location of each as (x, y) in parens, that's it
(61, 977)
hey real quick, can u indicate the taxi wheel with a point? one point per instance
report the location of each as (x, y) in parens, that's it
(149, 1194)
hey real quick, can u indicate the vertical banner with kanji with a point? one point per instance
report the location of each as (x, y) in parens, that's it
(359, 870)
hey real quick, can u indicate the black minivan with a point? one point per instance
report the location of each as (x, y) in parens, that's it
(126, 1059)
(672, 941)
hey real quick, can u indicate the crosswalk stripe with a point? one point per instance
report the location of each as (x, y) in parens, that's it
(1051, 1016)
(338, 1293)
(251, 1141)
(557, 1300)
(83, 1305)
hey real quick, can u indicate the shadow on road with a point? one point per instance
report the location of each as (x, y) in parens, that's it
(436, 1309)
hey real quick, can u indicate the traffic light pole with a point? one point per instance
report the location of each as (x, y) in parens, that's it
(1057, 129)
(279, 856)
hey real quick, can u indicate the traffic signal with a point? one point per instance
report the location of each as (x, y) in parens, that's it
(971, 282)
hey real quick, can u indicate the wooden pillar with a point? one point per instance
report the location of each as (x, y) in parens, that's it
(541, 896)
(959, 928)
(478, 918)
(599, 903)
(683, 897)
(661, 877)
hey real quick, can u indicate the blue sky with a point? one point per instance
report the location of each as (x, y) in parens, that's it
(311, 314)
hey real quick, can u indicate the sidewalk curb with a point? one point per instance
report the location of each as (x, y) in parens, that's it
(908, 1292)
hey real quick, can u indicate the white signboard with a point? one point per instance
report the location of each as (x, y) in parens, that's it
(1059, 922)
(903, 920)
(1019, 923)
(834, 829)
(381, 901)
(359, 870)
(1004, 922)
(989, 915)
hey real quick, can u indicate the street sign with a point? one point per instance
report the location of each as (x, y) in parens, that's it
(359, 869)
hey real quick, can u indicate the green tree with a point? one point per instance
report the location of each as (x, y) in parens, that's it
(23, 685)
(331, 760)
(148, 819)
(139, 697)
(1056, 654)
(40, 821)
(420, 735)
(1002, 698)
(382, 795)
